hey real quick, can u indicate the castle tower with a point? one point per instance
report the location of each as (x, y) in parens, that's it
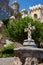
(24, 13)
(15, 6)
(36, 12)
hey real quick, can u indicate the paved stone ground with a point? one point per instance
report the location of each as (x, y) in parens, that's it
(6, 61)
(10, 61)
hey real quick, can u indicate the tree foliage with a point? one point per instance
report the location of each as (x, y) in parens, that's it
(15, 30)
(5, 21)
(8, 49)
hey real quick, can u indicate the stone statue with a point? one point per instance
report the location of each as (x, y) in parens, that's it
(29, 29)
(17, 61)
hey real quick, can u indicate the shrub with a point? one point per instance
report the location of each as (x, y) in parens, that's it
(15, 30)
(8, 49)
(5, 21)
(7, 55)
(1, 55)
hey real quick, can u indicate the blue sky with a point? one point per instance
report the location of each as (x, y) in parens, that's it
(27, 3)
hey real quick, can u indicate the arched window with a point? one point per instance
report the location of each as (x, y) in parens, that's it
(35, 16)
(32, 63)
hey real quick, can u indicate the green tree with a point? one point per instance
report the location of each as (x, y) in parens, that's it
(15, 30)
(5, 21)
(7, 51)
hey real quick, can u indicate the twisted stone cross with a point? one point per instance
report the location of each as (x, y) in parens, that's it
(29, 29)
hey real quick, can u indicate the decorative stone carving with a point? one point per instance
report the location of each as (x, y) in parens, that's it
(29, 42)
(29, 29)
(17, 61)
(31, 61)
(34, 61)
(27, 61)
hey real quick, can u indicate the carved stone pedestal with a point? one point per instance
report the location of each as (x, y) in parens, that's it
(29, 43)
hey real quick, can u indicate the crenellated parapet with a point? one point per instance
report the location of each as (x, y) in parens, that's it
(36, 7)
